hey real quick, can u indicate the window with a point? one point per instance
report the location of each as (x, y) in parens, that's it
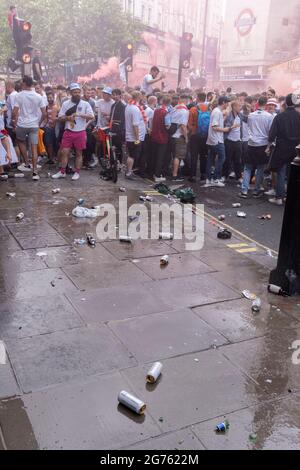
(149, 15)
(143, 13)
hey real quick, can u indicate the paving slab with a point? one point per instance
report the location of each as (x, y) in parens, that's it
(8, 384)
(272, 426)
(182, 440)
(29, 284)
(59, 357)
(21, 261)
(180, 265)
(193, 388)
(268, 361)
(192, 291)
(23, 318)
(87, 416)
(59, 257)
(162, 335)
(90, 276)
(117, 303)
(236, 321)
(15, 426)
(138, 249)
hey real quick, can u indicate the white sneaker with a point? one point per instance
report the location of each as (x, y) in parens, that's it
(277, 202)
(93, 162)
(58, 175)
(218, 184)
(232, 175)
(271, 192)
(75, 177)
(35, 177)
(223, 179)
(208, 184)
(161, 179)
(24, 167)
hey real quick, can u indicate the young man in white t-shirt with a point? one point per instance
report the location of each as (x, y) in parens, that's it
(135, 124)
(28, 113)
(215, 142)
(150, 79)
(179, 117)
(75, 113)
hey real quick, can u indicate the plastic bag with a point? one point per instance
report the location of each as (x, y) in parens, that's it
(84, 212)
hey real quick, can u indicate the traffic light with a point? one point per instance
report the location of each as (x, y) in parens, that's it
(26, 37)
(126, 56)
(186, 44)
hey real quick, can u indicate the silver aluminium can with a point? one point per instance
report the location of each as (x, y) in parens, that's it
(154, 373)
(132, 402)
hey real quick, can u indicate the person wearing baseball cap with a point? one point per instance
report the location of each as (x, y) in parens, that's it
(74, 113)
(104, 106)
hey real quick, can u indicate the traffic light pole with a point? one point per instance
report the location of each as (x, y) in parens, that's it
(180, 61)
(204, 39)
(287, 274)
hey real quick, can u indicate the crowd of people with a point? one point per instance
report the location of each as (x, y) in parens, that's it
(156, 134)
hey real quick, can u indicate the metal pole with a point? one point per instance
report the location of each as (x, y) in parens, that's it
(179, 68)
(204, 37)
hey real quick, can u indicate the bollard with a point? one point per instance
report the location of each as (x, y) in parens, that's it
(287, 274)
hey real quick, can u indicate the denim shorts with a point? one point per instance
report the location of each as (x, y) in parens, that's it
(31, 132)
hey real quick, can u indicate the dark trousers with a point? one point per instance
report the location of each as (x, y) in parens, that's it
(169, 158)
(90, 146)
(159, 153)
(198, 150)
(142, 163)
(234, 151)
(117, 143)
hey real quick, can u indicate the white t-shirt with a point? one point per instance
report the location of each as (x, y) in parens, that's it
(146, 86)
(10, 102)
(149, 113)
(179, 116)
(235, 134)
(134, 117)
(104, 109)
(216, 120)
(30, 105)
(83, 108)
(259, 124)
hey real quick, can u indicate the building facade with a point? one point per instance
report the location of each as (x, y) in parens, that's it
(255, 37)
(164, 24)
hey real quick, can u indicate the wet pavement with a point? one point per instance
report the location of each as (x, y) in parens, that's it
(82, 324)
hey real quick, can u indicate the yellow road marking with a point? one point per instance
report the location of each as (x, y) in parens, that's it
(208, 216)
(247, 250)
(238, 245)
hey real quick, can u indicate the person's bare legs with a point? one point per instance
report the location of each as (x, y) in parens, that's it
(176, 163)
(64, 157)
(23, 151)
(34, 154)
(78, 160)
(130, 163)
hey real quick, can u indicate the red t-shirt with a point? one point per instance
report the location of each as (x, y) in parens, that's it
(159, 134)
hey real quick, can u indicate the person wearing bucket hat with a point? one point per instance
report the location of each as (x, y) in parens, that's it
(74, 113)
(104, 106)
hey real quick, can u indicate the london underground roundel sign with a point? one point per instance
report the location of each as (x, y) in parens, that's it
(245, 22)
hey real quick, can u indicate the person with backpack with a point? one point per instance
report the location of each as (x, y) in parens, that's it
(198, 126)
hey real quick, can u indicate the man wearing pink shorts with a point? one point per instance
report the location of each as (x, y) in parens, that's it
(75, 113)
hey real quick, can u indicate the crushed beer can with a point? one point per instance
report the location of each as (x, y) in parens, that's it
(20, 216)
(11, 194)
(221, 218)
(166, 236)
(132, 402)
(237, 205)
(256, 305)
(164, 260)
(91, 240)
(241, 215)
(80, 201)
(56, 191)
(123, 190)
(125, 239)
(249, 295)
(222, 427)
